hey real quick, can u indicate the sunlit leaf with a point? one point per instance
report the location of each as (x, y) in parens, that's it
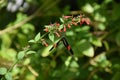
(61, 27)
(61, 20)
(70, 33)
(8, 76)
(86, 48)
(74, 64)
(67, 62)
(96, 41)
(51, 37)
(88, 8)
(31, 41)
(27, 28)
(46, 51)
(30, 52)
(99, 17)
(3, 71)
(21, 55)
(26, 61)
(101, 61)
(101, 26)
(37, 37)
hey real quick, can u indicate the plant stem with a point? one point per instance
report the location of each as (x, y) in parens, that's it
(13, 65)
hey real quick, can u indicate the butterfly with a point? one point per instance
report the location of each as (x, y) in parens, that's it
(66, 44)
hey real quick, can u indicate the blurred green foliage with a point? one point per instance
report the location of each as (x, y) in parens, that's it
(96, 46)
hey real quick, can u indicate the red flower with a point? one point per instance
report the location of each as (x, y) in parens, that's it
(60, 30)
(68, 25)
(66, 17)
(46, 30)
(57, 24)
(82, 21)
(87, 21)
(44, 42)
(74, 23)
(64, 29)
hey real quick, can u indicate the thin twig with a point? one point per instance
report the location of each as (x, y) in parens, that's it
(32, 71)
(92, 73)
(11, 28)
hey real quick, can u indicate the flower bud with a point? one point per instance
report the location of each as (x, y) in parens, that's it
(46, 30)
(57, 34)
(66, 17)
(68, 25)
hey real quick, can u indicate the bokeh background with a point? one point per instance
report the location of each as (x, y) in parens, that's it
(96, 46)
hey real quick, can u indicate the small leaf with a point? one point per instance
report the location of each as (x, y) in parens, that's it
(30, 52)
(46, 51)
(31, 41)
(8, 76)
(97, 42)
(106, 44)
(74, 64)
(101, 26)
(3, 71)
(26, 61)
(37, 37)
(86, 48)
(61, 20)
(67, 62)
(51, 37)
(21, 55)
(88, 8)
(61, 27)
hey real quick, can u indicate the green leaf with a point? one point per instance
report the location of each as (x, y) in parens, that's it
(8, 76)
(101, 26)
(6, 41)
(74, 64)
(106, 45)
(67, 62)
(21, 55)
(30, 52)
(97, 42)
(61, 20)
(99, 17)
(26, 61)
(3, 71)
(70, 33)
(37, 37)
(51, 37)
(61, 27)
(88, 8)
(86, 48)
(31, 41)
(46, 51)
(28, 28)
